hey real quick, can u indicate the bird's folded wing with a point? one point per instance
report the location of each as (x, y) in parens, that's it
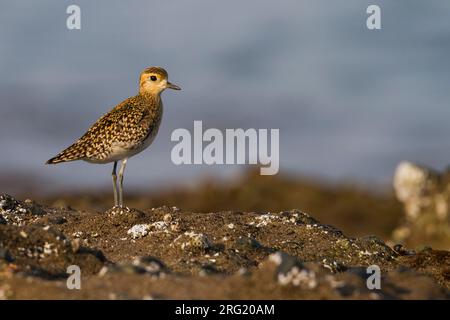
(126, 124)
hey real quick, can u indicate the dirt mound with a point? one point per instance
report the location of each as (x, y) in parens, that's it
(169, 253)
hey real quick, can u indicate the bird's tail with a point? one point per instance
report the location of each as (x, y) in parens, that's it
(72, 153)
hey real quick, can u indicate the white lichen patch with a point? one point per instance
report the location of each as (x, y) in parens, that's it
(141, 230)
(40, 252)
(268, 218)
(138, 231)
(332, 265)
(264, 220)
(295, 276)
(365, 253)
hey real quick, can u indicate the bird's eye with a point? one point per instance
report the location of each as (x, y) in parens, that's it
(153, 78)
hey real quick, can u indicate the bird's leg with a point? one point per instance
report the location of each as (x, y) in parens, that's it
(121, 171)
(114, 181)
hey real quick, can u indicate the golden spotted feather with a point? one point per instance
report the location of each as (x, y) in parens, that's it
(125, 130)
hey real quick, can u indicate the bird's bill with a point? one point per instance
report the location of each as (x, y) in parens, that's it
(173, 86)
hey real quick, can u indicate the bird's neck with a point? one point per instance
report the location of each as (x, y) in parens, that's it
(152, 98)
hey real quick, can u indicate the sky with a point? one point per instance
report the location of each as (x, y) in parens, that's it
(350, 103)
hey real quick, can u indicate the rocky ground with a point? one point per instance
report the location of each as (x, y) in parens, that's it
(166, 252)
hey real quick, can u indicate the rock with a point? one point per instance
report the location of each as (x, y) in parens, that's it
(45, 252)
(57, 220)
(139, 231)
(291, 271)
(208, 269)
(18, 213)
(151, 265)
(5, 255)
(147, 265)
(401, 250)
(425, 195)
(248, 242)
(193, 241)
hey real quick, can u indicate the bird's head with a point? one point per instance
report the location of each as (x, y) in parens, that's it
(155, 80)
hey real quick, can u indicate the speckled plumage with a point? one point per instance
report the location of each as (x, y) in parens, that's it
(122, 131)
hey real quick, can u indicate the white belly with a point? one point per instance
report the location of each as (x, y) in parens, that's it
(123, 151)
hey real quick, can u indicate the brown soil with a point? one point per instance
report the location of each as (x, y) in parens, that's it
(165, 252)
(356, 211)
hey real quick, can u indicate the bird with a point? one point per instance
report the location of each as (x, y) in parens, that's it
(126, 130)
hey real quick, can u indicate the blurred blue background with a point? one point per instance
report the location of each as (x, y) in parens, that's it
(350, 103)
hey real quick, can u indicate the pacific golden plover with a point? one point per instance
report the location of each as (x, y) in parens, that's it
(125, 131)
